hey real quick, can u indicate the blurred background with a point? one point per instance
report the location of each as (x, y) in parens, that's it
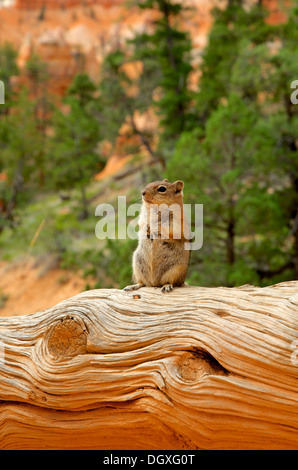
(102, 97)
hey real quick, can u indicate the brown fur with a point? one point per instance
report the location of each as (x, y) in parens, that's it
(161, 259)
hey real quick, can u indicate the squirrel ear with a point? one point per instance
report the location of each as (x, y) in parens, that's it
(165, 181)
(179, 185)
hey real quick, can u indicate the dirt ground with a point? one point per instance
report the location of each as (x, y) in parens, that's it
(30, 285)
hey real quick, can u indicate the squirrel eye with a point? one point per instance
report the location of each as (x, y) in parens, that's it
(162, 189)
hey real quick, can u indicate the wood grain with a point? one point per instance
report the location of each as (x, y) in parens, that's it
(197, 368)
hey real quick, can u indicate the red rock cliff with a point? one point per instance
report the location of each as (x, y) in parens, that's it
(54, 4)
(35, 4)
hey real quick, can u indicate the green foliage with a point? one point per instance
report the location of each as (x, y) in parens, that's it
(36, 69)
(73, 148)
(233, 142)
(83, 90)
(8, 69)
(162, 82)
(242, 161)
(20, 146)
(115, 104)
(235, 29)
(110, 266)
(170, 48)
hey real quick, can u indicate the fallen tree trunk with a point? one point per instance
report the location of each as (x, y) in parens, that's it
(197, 368)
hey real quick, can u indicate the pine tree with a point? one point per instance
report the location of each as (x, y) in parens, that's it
(73, 151)
(169, 48)
(279, 124)
(114, 103)
(20, 145)
(234, 28)
(241, 161)
(216, 168)
(38, 85)
(8, 69)
(118, 105)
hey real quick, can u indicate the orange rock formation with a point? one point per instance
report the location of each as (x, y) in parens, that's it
(35, 4)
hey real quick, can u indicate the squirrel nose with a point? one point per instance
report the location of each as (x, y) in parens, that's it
(143, 193)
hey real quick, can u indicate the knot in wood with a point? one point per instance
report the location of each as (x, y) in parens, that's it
(193, 366)
(67, 338)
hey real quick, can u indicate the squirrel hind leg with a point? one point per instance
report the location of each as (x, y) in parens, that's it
(133, 287)
(167, 288)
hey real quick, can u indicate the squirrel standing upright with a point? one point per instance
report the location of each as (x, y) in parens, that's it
(162, 256)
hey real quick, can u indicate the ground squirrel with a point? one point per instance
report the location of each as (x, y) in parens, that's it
(162, 256)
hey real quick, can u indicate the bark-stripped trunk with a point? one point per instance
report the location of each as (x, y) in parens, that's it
(198, 368)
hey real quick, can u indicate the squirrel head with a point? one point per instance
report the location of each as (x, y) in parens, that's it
(163, 192)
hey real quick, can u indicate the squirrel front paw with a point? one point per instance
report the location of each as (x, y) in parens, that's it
(167, 288)
(133, 287)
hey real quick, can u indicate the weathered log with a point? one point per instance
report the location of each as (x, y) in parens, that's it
(197, 368)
